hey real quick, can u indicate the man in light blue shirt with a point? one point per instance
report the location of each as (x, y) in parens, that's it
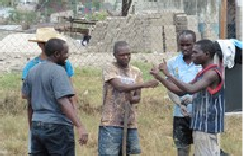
(42, 36)
(184, 69)
(185, 72)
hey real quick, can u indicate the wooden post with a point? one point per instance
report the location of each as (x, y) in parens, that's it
(127, 111)
(223, 19)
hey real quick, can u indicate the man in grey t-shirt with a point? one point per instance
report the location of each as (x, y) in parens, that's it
(51, 115)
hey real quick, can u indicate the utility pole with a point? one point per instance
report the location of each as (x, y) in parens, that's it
(223, 19)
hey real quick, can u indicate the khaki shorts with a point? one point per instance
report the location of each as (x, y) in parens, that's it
(206, 144)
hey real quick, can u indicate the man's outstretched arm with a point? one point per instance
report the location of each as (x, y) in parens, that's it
(207, 79)
(117, 84)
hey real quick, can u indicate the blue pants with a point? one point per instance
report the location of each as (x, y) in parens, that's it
(52, 140)
(110, 141)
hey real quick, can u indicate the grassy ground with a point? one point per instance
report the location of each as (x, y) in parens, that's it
(154, 117)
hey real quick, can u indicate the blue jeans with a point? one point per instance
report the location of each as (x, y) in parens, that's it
(52, 140)
(110, 141)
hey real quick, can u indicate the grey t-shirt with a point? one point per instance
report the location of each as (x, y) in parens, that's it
(45, 84)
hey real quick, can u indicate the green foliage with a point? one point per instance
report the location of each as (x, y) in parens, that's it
(96, 4)
(5, 3)
(18, 16)
(99, 16)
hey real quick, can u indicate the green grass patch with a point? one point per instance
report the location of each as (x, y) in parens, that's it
(10, 80)
(154, 116)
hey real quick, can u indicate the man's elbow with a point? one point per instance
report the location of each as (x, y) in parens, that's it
(64, 103)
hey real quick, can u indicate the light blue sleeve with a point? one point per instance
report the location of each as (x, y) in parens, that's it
(237, 43)
(27, 68)
(69, 68)
(170, 67)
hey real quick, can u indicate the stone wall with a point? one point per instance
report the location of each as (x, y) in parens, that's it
(238, 21)
(144, 32)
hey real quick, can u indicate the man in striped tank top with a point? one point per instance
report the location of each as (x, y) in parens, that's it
(208, 107)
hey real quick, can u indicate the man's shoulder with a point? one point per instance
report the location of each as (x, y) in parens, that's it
(110, 66)
(69, 68)
(175, 59)
(32, 68)
(50, 68)
(32, 62)
(68, 63)
(55, 67)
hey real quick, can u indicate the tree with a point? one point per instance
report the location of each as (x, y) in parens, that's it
(96, 4)
(29, 17)
(125, 7)
(126, 4)
(5, 3)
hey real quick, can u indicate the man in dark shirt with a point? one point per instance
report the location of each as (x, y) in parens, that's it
(51, 115)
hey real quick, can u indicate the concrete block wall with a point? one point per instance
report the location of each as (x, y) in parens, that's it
(238, 20)
(144, 32)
